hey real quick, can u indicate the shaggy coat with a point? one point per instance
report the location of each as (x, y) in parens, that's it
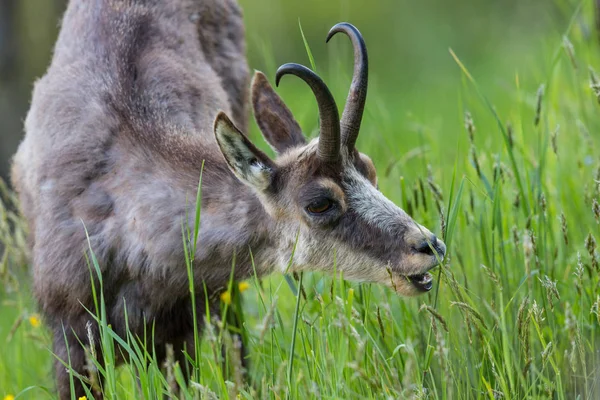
(135, 102)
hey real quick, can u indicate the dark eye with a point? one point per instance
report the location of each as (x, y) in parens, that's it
(320, 206)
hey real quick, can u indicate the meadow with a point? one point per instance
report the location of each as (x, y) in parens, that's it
(503, 164)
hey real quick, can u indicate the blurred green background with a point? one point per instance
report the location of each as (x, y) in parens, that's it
(412, 72)
(509, 246)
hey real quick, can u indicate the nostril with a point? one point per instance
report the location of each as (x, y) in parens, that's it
(432, 247)
(441, 248)
(426, 248)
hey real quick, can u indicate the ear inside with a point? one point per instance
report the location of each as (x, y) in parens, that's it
(247, 162)
(274, 119)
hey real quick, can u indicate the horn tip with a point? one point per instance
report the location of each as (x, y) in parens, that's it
(335, 29)
(345, 27)
(331, 34)
(281, 71)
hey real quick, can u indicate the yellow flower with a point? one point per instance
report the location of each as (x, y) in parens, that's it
(243, 286)
(9, 397)
(35, 321)
(226, 297)
(82, 398)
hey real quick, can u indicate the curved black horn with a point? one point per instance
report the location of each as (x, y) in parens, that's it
(329, 136)
(355, 104)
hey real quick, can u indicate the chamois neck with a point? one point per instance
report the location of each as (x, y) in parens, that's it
(234, 223)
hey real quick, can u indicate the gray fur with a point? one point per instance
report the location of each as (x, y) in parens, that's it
(115, 140)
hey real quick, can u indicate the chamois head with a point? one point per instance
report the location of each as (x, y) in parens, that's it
(324, 193)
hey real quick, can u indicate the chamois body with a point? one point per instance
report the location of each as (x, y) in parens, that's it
(115, 139)
(136, 99)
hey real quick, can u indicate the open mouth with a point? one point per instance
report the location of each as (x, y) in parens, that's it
(423, 282)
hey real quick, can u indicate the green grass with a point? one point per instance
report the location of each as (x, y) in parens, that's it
(516, 310)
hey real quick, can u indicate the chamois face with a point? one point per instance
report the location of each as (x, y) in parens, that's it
(334, 210)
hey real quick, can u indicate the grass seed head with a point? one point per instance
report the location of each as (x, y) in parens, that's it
(538, 106)
(579, 270)
(441, 350)
(596, 308)
(416, 195)
(471, 200)
(551, 290)
(522, 320)
(498, 174)
(594, 84)
(435, 189)
(267, 321)
(205, 392)
(590, 245)
(515, 235)
(470, 310)
(90, 357)
(564, 228)
(492, 275)
(546, 353)
(596, 210)
(597, 181)
(435, 315)
(570, 50)
(380, 323)
(554, 140)
(537, 312)
(475, 161)
(549, 388)
(169, 365)
(470, 126)
(543, 203)
(422, 191)
(517, 201)
(527, 245)
(573, 357)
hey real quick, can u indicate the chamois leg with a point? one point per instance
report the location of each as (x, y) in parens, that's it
(184, 345)
(68, 349)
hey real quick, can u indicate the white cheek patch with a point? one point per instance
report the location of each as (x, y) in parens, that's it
(322, 255)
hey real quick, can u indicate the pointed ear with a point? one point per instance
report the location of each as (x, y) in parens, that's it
(248, 163)
(274, 119)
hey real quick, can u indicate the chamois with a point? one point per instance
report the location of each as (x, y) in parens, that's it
(139, 96)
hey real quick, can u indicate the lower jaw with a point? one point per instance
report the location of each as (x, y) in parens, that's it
(413, 285)
(422, 282)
